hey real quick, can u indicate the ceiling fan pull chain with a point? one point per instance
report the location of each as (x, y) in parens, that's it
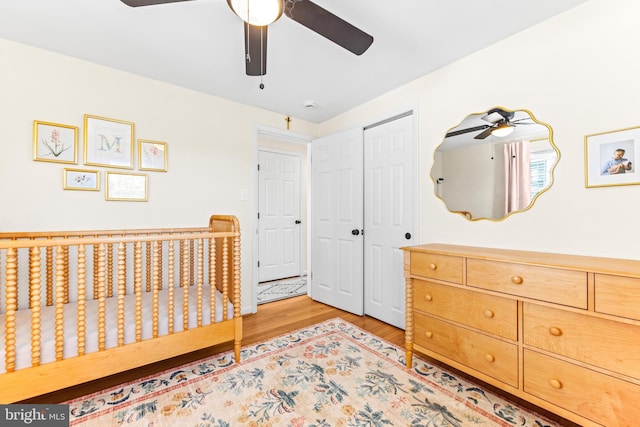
(261, 59)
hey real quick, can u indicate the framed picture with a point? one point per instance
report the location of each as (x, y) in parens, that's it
(126, 186)
(53, 142)
(612, 158)
(152, 155)
(108, 142)
(80, 179)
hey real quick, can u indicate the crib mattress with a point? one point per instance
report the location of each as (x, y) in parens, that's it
(47, 343)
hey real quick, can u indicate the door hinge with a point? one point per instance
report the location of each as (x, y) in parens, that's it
(258, 215)
(258, 264)
(258, 166)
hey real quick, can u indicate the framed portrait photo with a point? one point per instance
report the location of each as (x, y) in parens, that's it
(152, 155)
(81, 179)
(108, 142)
(130, 187)
(53, 142)
(611, 158)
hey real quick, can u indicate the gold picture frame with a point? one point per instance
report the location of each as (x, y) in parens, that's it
(612, 158)
(152, 155)
(55, 142)
(131, 187)
(81, 179)
(108, 142)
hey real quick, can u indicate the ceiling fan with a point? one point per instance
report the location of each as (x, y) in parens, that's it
(501, 123)
(304, 12)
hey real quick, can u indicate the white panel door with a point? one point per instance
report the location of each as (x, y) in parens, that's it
(389, 197)
(336, 221)
(279, 215)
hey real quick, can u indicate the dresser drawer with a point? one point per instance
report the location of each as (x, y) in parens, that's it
(619, 296)
(495, 315)
(436, 266)
(611, 345)
(566, 287)
(603, 399)
(490, 356)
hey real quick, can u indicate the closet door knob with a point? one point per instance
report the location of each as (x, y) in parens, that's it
(355, 232)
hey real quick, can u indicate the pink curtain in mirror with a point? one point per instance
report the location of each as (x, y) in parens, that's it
(517, 170)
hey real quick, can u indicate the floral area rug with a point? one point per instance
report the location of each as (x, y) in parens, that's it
(330, 374)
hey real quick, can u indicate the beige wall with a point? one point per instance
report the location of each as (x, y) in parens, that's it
(211, 147)
(578, 72)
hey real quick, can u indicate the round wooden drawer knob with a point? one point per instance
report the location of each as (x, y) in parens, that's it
(555, 383)
(489, 358)
(517, 280)
(428, 297)
(489, 314)
(433, 266)
(428, 334)
(556, 332)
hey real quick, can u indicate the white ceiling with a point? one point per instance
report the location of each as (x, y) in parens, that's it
(199, 44)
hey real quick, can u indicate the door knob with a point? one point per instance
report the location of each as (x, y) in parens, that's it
(298, 221)
(355, 232)
(407, 236)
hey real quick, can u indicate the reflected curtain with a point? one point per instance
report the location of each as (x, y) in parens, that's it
(517, 164)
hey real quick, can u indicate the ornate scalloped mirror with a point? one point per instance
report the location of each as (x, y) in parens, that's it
(494, 164)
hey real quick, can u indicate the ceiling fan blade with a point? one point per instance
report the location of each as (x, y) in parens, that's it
(328, 25)
(255, 49)
(485, 133)
(467, 130)
(136, 3)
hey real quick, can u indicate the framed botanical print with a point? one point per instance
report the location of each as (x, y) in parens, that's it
(53, 142)
(152, 155)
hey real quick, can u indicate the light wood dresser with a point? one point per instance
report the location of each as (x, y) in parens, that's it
(560, 331)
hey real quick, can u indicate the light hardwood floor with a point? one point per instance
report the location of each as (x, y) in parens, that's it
(271, 320)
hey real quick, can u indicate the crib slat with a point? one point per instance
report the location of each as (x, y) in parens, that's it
(225, 278)
(34, 303)
(59, 322)
(185, 286)
(200, 259)
(212, 280)
(95, 271)
(11, 298)
(137, 285)
(122, 285)
(66, 274)
(49, 264)
(155, 267)
(102, 302)
(148, 275)
(109, 270)
(171, 284)
(82, 295)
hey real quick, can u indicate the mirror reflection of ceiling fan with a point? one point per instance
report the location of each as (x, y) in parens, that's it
(500, 124)
(258, 14)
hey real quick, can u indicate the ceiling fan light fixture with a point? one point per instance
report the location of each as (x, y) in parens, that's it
(257, 12)
(503, 129)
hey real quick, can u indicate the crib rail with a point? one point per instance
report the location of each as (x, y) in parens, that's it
(39, 270)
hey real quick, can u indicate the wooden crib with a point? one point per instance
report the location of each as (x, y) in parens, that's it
(80, 305)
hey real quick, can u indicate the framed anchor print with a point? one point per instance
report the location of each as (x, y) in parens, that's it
(108, 142)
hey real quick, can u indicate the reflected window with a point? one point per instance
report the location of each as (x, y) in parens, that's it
(541, 165)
